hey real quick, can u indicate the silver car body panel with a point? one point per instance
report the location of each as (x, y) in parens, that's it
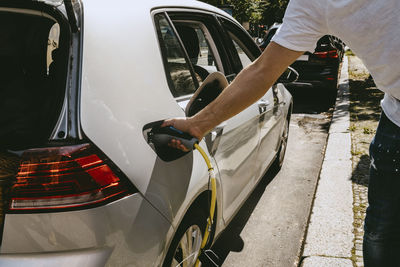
(235, 156)
(86, 257)
(130, 227)
(271, 123)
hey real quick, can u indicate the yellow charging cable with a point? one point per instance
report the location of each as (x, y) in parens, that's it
(213, 200)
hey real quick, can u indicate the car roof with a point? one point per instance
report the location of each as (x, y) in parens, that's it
(150, 5)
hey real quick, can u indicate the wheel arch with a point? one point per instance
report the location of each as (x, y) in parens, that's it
(201, 202)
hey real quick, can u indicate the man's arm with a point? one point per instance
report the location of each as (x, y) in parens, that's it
(249, 86)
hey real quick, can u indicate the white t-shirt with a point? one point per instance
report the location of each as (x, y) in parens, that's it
(371, 28)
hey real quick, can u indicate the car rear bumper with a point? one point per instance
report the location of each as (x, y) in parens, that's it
(126, 232)
(85, 257)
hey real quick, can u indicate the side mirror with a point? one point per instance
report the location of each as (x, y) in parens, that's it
(209, 90)
(288, 76)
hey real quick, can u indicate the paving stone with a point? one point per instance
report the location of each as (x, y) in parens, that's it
(316, 261)
(332, 219)
(359, 253)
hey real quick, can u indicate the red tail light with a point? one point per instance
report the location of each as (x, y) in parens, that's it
(321, 54)
(327, 54)
(333, 54)
(65, 177)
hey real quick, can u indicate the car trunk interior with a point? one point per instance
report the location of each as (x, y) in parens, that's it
(33, 70)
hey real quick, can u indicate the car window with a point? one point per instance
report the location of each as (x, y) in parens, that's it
(245, 50)
(244, 58)
(209, 27)
(52, 44)
(179, 75)
(206, 56)
(199, 46)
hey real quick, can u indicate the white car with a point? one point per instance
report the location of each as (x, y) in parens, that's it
(82, 82)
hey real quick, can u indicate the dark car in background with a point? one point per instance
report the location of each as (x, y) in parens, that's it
(317, 69)
(268, 36)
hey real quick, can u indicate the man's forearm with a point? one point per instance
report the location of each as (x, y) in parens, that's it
(249, 86)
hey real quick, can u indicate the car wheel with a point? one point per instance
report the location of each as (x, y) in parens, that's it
(186, 243)
(280, 156)
(333, 85)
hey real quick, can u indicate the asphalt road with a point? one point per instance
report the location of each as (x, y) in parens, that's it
(269, 229)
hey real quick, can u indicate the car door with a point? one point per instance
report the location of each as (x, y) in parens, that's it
(233, 144)
(269, 113)
(271, 126)
(237, 148)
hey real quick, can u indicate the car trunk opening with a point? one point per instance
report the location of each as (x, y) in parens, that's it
(32, 78)
(34, 54)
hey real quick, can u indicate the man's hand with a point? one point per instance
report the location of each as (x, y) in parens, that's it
(184, 125)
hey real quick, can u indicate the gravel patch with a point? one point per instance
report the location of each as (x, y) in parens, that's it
(364, 117)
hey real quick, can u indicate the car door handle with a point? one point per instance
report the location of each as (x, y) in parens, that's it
(262, 105)
(213, 138)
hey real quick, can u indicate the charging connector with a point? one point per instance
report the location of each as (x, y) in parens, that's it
(161, 136)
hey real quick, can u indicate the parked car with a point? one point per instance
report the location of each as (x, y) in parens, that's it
(320, 68)
(81, 185)
(268, 36)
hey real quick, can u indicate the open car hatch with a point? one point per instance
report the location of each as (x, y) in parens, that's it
(71, 7)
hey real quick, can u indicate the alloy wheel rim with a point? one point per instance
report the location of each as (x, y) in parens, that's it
(188, 248)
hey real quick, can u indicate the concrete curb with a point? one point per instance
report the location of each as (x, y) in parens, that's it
(329, 238)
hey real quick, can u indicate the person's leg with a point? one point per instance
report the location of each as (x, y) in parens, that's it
(382, 223)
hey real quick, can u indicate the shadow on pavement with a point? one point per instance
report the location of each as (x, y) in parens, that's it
(365, 111)
(312, 100)
(365, 101)
(361, 173)
(230, 239)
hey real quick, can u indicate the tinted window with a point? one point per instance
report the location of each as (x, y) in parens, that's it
(245, 49)
(206, 56)
(52, 44)
(198, 44)
(244, 58)
(177, 68)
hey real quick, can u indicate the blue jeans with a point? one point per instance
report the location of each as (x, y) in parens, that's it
(382, 223)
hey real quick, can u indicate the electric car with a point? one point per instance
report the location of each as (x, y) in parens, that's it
(82, 84)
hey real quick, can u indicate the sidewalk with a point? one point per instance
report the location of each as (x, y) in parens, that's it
(329, 239)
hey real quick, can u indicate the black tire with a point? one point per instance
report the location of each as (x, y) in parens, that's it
(196, 220)
(332, 86)
(280, 155)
